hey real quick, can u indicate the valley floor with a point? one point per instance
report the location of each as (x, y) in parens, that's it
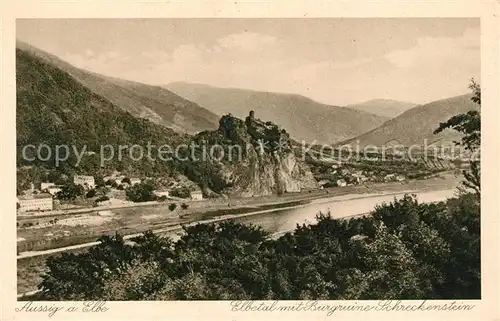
(83, 228)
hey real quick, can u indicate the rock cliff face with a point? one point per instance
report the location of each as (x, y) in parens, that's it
(258, 159)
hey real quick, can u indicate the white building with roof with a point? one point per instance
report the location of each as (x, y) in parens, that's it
(53, 190)
(35, 202)
(196, 195)
(162, 193)
(46, 185)
(341, 182)
(135, 180)
(85, 181)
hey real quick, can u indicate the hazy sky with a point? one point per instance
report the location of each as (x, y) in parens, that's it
(335, 61)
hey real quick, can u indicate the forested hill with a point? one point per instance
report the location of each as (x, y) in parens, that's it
(55, 109)
(154, 103)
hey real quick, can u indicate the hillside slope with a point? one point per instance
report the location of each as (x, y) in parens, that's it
(150, 102)
(383, 107)
(303, 118)
(55, 109)
(418, 124)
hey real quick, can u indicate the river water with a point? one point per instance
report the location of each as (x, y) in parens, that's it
(286, 220)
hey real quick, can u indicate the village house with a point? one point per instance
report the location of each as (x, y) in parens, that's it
(37, 202)
(161, 193)
(135, 180)
(341, 182)
(85, 181)
(389, 177)
(116, 179)
(53, 190)
(400, 178)
(323, 182)
(358, 177)
(46, 185)
(196, 195)
(50, 188)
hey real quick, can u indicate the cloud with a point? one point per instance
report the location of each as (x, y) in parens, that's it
(89, 53)
(108, 62)
(189, 54)
(433, 68)
(231, 59)
(438, 49)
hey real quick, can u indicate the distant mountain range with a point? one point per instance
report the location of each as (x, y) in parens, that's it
(383, 107)
(154, 103)
(58, 102)
(418, 124)
(304, 118)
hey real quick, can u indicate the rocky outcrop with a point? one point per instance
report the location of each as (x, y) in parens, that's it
(266, 164)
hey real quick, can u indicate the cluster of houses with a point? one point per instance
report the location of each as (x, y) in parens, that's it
(121, 180)
(35, 202)
(394, 178)
(348, 177)
(43, 199)
(196, 195)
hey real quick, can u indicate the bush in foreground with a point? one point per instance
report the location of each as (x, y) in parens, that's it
(404, 250)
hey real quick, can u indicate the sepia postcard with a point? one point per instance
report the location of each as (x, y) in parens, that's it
(250, 160)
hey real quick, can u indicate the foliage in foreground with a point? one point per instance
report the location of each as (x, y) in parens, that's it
(404, 250)
(469, 126)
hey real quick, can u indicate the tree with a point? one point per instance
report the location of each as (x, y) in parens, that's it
(184, 206)
(102, 198)
(102, 190)
(172, 206)
(182, 192)
(70, 191)
(404, 250)
(469, 125)
(99, 181)
(143, 192)
(55, 176)
(126, 180)
(91, 193)
(82, 276)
